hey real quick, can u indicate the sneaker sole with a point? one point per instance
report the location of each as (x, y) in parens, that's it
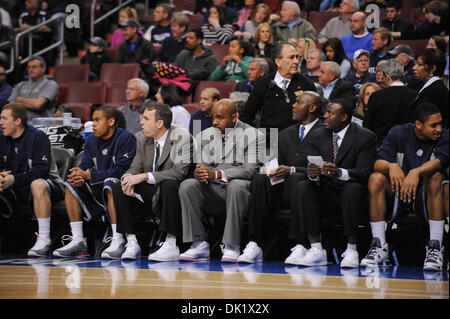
(107, 256)
(163, 259)
(188, 258)
(250, 261)
(349, 265)
(35, 254)
(229, 260)
(313, 264)
(131, 258)
(68, 256)
(431, 268)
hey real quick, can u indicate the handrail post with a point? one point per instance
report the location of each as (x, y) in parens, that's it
(92, 17)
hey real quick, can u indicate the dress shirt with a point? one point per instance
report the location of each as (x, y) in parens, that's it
(161, 141)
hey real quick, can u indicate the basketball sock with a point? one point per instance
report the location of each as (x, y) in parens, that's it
(379, 230)
(171, 239)
(114, 231)
(77, 228)
(351, 246)
(437, 230)
(131, 237)
(44, 226)
(317, 245)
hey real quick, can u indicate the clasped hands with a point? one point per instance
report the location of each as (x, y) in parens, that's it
(6, 180)
(77, 176)
(328, 169)
(204, 173)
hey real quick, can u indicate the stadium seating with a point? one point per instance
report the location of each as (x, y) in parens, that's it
(181, 5)
(417, 46)
(115, 95)
(119, 72)
(112, 52)
(63, 74)
(319, 19)
(195, 20)
(224, 87)
(192, 107)
(219, 51)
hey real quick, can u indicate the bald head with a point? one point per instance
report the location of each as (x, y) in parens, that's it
(358, 23)
(224, 114)
(307, 107)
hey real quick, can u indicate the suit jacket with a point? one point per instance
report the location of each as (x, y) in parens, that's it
(437, 94)
(238, 157)
(343, 90)
(268, 98)
(356, 154)
(175, 159)
(292, 152)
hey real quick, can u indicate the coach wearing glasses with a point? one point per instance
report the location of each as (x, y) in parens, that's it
(38, 94)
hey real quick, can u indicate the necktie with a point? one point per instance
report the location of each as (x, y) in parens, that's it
(302, 133)
(285, 84)
(155, 163)
(335, 146)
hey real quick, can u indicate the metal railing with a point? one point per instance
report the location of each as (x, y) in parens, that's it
(11, 54)
(30, 32)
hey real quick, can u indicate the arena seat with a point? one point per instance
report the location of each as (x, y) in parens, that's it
(81, 110)
(119, 72)
(68, 73)
(181, 5)
(219, 51)
(87, 92)
(417, 46)
(64, 160)
(192, 107)
(195, 20)
(116, 95)
(112, 52)
(319, 19)
(224, 87)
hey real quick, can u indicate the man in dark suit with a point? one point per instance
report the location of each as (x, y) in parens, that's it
(292, 150)
(333, 86)
(348, 153)
(389, 106)
(273, 95)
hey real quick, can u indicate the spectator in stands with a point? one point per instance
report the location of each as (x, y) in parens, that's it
(136, 93)
(257, 68)
(6, 34)
(162, 161)
(217, 30)
(293, 149)
(38, 94)
(278, 89)
(246, 12)
(381, 44)
(430, 66)
(334, 51)
(360, 38)
(174, 44)
(291, 26)
(198, 62)
(391, 105)
(234, 66)
(264, 45)
(5, 88)
(161, 30)
(413, 180)
(327, 5)
(95, 56)
(219, 185)
(379, 75)
(363, 100)
(441, 43)
(437, 15)
(260, 15)
(304, 45)
(107, 155)
(339, 26)
(230, 11)
(63, 109)
(404, 53)
(361, 74)
(348, 153)
(124, 15)
(333, 86)
(315, 59)
(168, 94)
(394, 22)
(202, 119)
(5, 18)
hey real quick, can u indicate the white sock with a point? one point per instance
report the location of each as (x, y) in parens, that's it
(77, 228)
(351, 246)
(232, 247)
(317, 245)
(437, 230)
(171, 239)
(379, 230)
(44, 226)
(131, 237)
(114, 231)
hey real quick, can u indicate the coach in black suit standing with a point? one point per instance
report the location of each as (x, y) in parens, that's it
(333, 86)
(391, 105)
(348, 152)
(274, 95)
(292, 150)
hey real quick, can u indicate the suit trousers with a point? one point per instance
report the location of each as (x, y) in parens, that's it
(168, 206)
(328, 198)
(198, 199)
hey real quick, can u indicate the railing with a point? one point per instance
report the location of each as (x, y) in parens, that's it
(11, 55)
(30, 32)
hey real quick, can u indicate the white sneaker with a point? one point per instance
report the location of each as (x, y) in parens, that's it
(434, 258)
(230, 255)
(298, 252)
(115, 249)
(167, 252)
(251, 254)
(351, 259)
(41, 248)
(378, 254)
(314, 257)
(198, 251)
(76, 247)
(133, 250)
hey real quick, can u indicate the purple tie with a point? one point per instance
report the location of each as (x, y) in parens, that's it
(335, 146)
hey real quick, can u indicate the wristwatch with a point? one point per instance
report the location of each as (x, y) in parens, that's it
(292, 170)
(338, 173)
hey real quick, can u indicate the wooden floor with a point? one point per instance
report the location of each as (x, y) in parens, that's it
(66, 279)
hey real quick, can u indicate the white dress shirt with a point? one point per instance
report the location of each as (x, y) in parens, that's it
(161, 141)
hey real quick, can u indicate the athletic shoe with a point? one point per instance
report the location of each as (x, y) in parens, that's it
(166, 252)
(251, 254)
(41, 248)
(351, 259)
(434, 257)
(229, 255)
(199, 251)
(132, 251)
(314, 257)
(76, 247)
(377, 254)
(115, 249)
(298, 252)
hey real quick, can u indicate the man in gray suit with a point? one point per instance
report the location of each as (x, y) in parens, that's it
(163, 159)
(226, 160)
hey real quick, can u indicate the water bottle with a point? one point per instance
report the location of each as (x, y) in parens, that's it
(87, 130)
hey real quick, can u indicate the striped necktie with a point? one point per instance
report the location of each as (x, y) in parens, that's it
(302, 133)
(335, 146)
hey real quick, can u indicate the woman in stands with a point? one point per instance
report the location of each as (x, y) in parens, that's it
(260, 14)
(234, 66)
(334, 51)
(363, 99)
(216, 31)
(264, 43)
(124, 14)
(303, 47)
(168, 94)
